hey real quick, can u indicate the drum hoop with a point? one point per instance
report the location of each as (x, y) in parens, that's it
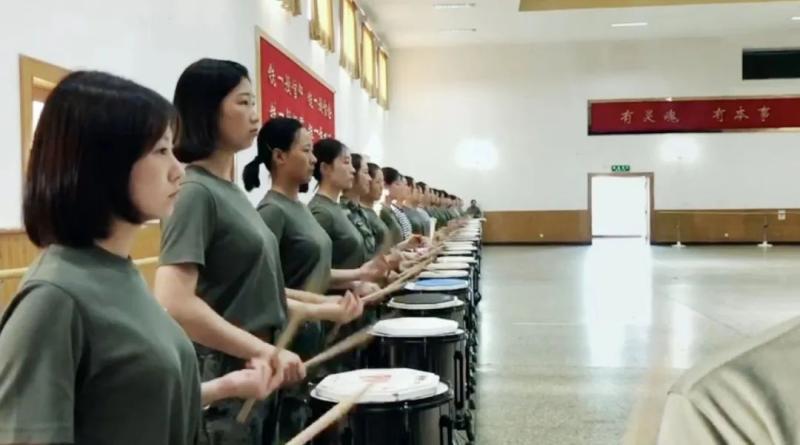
(421, 307)
(450, 337)
(443, 395)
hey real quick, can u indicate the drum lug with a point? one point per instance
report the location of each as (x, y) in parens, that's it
(446, 425)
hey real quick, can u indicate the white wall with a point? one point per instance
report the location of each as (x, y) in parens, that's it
(151, 42)
(507, 124)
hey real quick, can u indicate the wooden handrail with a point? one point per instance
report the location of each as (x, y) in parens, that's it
(6, 274)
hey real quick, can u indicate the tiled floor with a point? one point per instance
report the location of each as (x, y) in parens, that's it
(580, 344)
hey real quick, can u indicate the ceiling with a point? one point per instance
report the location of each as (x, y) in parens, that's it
(416, 23)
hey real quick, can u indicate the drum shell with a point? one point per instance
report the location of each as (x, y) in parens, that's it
(444, 356)
(415, 422)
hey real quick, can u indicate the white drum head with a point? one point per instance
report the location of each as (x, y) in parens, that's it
(444, 274)
(415, 327)
(389, 385)
(447, 266)
(451, 285)
(456, 259)
(457, 253)
(455, 302)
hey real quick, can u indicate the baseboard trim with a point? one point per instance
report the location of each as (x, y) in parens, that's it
(537, 243)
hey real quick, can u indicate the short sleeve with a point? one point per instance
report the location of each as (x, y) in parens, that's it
(41, 342)
(324, 219)
(187, 233)
(274, 218)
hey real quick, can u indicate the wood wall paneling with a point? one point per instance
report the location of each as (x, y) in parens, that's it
(711, 226)
(533, 227)
(16, 251)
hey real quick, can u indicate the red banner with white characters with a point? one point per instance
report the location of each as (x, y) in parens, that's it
(289, 89)
(694, 115)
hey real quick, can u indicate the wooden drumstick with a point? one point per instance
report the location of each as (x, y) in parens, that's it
(353, 341)
(360, 338)
(283, 341)
(331, 416)
(395, 285)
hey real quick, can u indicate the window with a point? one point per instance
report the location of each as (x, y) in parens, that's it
(349, 38)
(368, 60)
(321, 28)
(383, 79)
(37, 79)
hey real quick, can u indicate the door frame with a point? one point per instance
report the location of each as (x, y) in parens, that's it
(650, 176)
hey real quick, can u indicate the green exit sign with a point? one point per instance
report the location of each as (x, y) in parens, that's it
(620, 168)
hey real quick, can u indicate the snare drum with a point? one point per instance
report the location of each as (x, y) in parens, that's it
(428, 344)
(436, 305)
(403, 407)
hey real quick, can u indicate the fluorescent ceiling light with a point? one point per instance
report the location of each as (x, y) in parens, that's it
(453, 5)
(629, 25)
(451, 30)
(796, 18)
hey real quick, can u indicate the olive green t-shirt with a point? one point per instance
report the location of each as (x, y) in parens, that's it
(419, 223)
(215, 227)
(305, 247)
(379, 230)
(88, 356)
(355, 213)
(745, 395)
(349, 251)
(390, 220)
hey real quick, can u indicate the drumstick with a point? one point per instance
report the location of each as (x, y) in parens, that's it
(359, 338)
(396, 285)
(281, 344)
(332, 415)
(353, 341)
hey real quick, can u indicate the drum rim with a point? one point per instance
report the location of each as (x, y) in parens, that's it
(454, 303)
(451, 288)
(422, 403)
(459, 334)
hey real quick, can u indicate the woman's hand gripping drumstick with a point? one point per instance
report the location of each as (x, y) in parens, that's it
(283, 341)
(331, 416)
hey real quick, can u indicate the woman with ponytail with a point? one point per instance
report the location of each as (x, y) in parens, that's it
(284, 148)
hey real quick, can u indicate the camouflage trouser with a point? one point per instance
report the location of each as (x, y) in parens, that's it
(219, 421)
(295, 413)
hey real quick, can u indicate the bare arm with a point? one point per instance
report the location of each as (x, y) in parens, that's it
(175, 289)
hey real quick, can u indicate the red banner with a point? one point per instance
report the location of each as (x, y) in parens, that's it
(694, 115)
(289, 89)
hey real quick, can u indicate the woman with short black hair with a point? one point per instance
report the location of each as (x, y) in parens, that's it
(391, 213)
(86, 353)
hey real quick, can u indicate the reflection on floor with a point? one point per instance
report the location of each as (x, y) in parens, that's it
(580, 344)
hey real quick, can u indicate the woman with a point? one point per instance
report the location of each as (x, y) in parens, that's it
(419, 224)
(351, 201)
(334, 173)
(284, 147)
(371, 196)
(391, 214)
(86, 353)
(220, 273)
(383, 234)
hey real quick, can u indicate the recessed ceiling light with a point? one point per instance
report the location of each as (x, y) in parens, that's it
(451, 30)
(629, 25)
(453, 5)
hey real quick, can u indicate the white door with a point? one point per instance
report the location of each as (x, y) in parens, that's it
(620, 206)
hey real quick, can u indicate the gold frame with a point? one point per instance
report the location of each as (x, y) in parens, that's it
(36, 79)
